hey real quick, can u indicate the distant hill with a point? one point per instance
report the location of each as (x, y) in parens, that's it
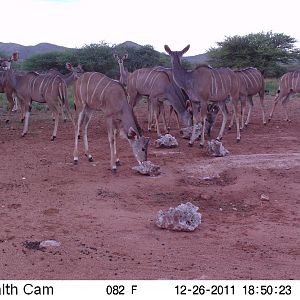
(197, 59)
(26, 51)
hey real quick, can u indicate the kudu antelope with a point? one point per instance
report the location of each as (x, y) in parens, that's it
(96, 92)
(206, 84)
(251, 83)
(6, 85)
(69, 78)
(157, 84)
(45, 88)
(289, 85)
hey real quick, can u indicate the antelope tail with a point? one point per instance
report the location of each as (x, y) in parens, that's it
(63, 96)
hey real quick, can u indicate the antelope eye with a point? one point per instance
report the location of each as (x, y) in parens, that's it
(143, 149)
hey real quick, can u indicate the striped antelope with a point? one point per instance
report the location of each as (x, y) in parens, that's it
(251, 83)
(206, 84)
(69, 78)
(96, 92)
(45, 88)
(155, 106)
(289, 84)
(6, 86)
(158, 85)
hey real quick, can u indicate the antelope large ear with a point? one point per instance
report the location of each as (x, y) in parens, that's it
(167, 48)
(131, 134)
(185, 50)
(125, 56)
(115, 55)
(69, 66)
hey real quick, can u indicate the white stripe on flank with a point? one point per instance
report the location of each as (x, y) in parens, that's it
(52, 86)
(255, 82)
(92, 96)
(87, 86)
(41, 85)
(214, 88)
(137, 78)
(243, 75)
(147, 78)
(105, 89)
(221, 79)
(154, 79)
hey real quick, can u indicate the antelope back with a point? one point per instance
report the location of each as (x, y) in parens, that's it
(41, 88)
(99, 92)
(290, 82)
(147, 81)
(251, 81)
(215, 84)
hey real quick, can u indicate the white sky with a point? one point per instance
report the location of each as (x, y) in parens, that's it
(200, 23)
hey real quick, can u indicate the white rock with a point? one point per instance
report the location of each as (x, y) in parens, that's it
(184, 217)
(215, 148)
(147, 168)
(186, 132)
(50, 243)
(166, 141)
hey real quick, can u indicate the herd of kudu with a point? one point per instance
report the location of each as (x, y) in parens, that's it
(194, 95)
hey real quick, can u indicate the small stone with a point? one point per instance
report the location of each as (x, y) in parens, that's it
(264, 197)
(215, 148)
(148, 168)
(166, 141)
(50, 243)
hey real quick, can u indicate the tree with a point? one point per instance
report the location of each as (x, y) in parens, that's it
(268, 52)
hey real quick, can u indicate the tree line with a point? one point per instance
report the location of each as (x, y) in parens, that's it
(272, 53)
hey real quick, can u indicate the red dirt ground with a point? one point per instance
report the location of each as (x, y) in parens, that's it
(105, 222)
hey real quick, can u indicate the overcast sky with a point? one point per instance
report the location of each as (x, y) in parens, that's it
(200, 23)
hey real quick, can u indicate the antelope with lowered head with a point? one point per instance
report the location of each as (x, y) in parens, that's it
(289, 85)
(251, 83)
(157, 84)
(45, 88)
(206, 84)
(96, 92)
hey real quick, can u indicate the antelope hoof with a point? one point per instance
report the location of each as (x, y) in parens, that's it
(118, 163)
(65, 120)
(265, 123)
(78, 137)
(269, 119)
(114, 170)
(238, 141)
(229, 127)
(23, 134)
(201, 146)
(22, 120)
(7, 121)
(190, 144)
(53, 138)
(75, 162)
(90, 157)
(219, 139)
